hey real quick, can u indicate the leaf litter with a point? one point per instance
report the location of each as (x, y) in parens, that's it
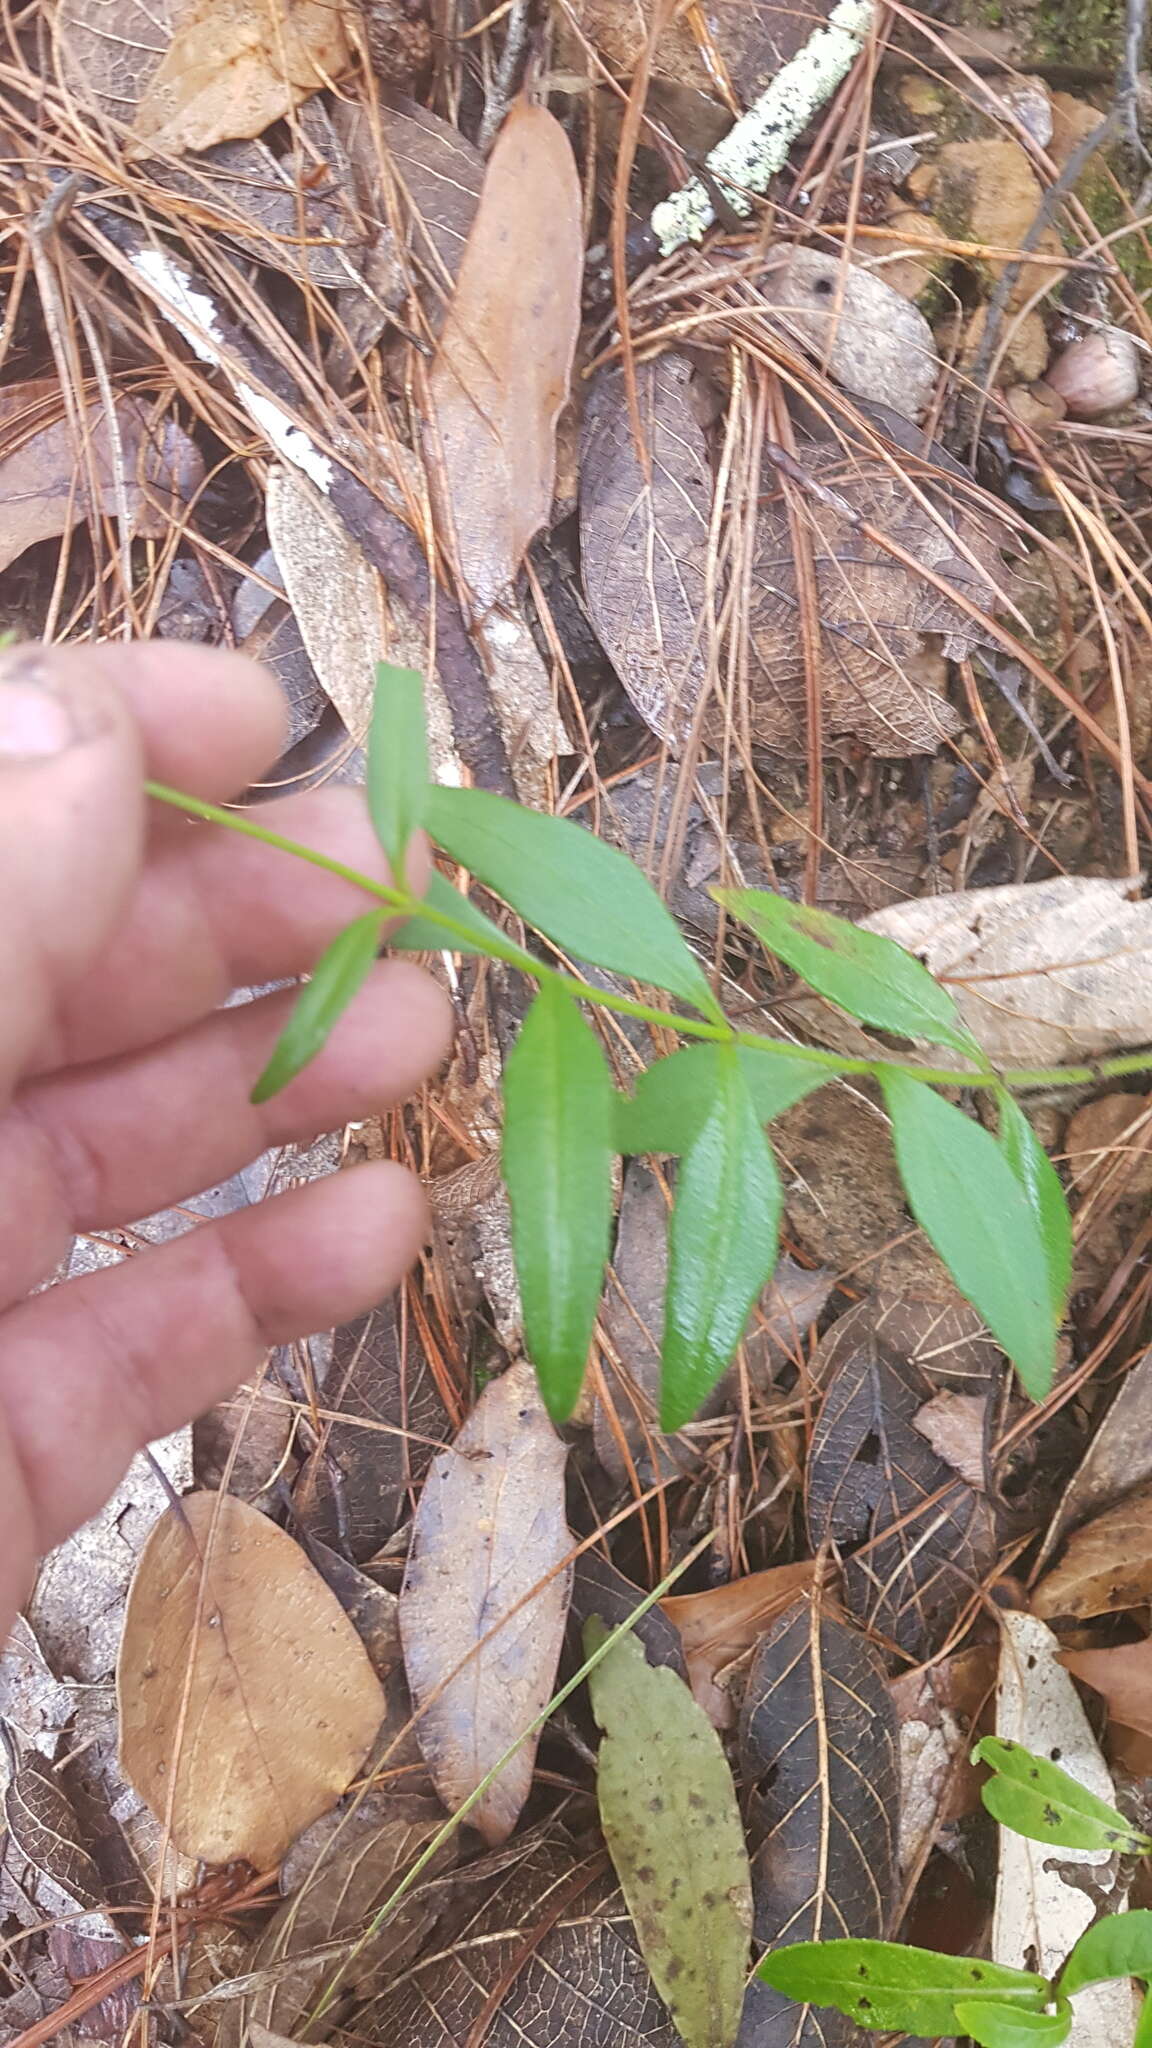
(776, 566)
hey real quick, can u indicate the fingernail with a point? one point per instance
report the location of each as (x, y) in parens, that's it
(36, 719)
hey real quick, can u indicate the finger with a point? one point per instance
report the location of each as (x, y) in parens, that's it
(121, 1357)
(212, 912)
(210, 721)
(98, 1146)
(71, 833)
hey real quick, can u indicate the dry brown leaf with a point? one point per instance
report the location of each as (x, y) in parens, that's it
(954, 1426)
(230, 1632)
(1108, 1145)
(865, 333)
(235, 66)
(336, 1877)
(644, 544)
(335, 593)
(721, 1625)
(44, 480)
(747, 41)
(1043, 972)
(1122, 1676)
(1118, 1458)
(883, 626)
(486, 1565)
(937, 1708)
(1107, 1566)
(501, 373)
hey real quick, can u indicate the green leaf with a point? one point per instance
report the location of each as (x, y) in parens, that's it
(1004, 2026)
(663, 1784)
(672, 1099)
(721, 1243)
(886, 1984)
(1040, 1801)
(397, 761)
(866, 974)
(557, 1164)
(1045, 1196)
(337, 976)
(968, 1201)
(1142, 2038)
(1120, 1945)
(420, 935)
(583, 895)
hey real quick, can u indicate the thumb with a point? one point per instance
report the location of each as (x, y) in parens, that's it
(71, 833)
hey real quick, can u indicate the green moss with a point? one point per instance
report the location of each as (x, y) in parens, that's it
(1103, 203)
(1090, 33)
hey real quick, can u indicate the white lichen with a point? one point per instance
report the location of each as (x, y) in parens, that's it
(757, 146)
(195, 315)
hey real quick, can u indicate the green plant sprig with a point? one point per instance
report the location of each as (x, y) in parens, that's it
(992, 1205)
(403, 904)
(891, 1986)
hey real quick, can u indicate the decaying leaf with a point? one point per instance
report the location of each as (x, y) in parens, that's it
(919, 1538)
(505, 356)
(598, 1588)
(954, 1426)
(882, 625)
(233, 67)
(1107, 1566)
(818, 1742)
(362, 1479)
(870, 337)
(334, 592)
(33, 1702)
(485, 1598)
(43, 1832)
(77, 1604)
(539, 1952)
(337, 1876)
(1123, 1677)
(1043, 972)
(663, 1781)
(141, 461)
(745, 41)
(438, 174)
(644, 543)
(232, 1638)
(1118, 1459)
(1039, 1915)
(937, 1707)
(719, 1627)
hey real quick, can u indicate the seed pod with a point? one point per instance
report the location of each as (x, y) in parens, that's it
(1097, 374)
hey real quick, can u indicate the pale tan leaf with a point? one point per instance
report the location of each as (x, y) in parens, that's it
(1118, 1459)
(486, 1567)
(954, 1426)
(501, 373)
(937, 1708)
(140, 460)
(231, 1632)
(869, 337)
(333, 590)
(722, 1625)
(235, 66)
(1039, 1915)
(1107, 1566)
(1043, 972)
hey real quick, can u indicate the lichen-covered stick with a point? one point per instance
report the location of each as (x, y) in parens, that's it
(756, 147)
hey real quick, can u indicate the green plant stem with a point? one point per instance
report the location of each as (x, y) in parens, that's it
(403, 904)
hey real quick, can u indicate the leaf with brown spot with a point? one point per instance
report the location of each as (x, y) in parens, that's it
(235, 66)
(818, 1744)
(914, 1538)
(232, 1636)
(540, 1953)
(663, 1781)
(505, 355)
(720, 1626)
(485, 1598)
(148, 465)
(644, 541)
(1107, 1566)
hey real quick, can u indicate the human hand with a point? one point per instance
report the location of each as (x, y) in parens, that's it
(124, 1086)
